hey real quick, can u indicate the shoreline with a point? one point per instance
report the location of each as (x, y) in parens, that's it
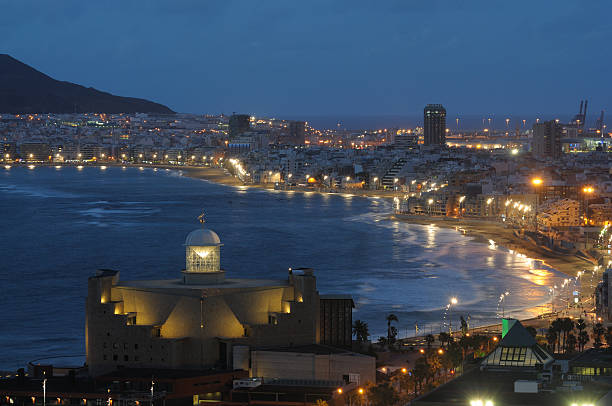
(482, 231)
(485, 231)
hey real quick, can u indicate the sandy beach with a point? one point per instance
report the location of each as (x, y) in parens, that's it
(487, 231)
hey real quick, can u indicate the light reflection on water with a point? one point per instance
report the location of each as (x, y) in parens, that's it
(135, 221)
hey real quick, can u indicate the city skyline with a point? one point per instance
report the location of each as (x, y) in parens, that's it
(275, 59)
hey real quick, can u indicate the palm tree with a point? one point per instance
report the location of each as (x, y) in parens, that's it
(420, 372)
(598, 331)
(608, 338)
(551, 338)
(360, 331)
(557, 327)
(567, 326)
(583, 336)
(444, 338)
(390, 318)
(583, 339)
(581, 324)
(571, 343)
(429, 339)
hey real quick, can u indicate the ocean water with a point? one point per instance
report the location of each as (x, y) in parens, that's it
(60, 225)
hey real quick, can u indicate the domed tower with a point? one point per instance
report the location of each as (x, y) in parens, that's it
(203, 257)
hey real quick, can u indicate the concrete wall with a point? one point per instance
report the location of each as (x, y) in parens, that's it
(310, 366)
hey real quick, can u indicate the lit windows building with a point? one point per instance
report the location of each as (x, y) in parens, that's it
(434, 120)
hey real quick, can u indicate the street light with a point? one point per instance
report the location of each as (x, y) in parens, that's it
(536, 182)
(453, 301)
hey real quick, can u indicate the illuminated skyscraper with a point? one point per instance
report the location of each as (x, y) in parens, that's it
(434, 119)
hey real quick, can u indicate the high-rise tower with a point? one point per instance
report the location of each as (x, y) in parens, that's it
(434, 119)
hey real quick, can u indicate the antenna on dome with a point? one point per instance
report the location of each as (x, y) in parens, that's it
(202, 218)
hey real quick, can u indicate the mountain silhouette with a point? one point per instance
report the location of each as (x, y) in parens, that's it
(23, 89)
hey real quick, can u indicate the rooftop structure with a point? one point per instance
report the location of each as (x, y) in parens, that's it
(517, 349)
(197, 321)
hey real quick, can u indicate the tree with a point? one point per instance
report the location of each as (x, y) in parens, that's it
(598, 331)
(465, 343)
(557, 327)
(551, 338)
(383, 395)
(444, 338)
(608, 338)
(321, 402)
(571, 343)
(435, 365)
(393, 334)
(581, 325)
(464, 326)
(583, 339)
(360, 331)
(429, 339)
(532, 330)
(421, 368)
(567, 325)
(390, 318)
(455, 354)
(583, 336)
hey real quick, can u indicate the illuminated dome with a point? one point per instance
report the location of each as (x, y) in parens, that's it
(202, 237)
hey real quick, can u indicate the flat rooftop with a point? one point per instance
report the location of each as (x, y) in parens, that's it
(178, 285)
(499, 388)
(594, 358)
(317, 349)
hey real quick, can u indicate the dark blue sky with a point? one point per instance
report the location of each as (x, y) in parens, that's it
(324, 57)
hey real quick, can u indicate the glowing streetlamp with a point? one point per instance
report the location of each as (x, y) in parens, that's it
(536, 182)
(453, 301)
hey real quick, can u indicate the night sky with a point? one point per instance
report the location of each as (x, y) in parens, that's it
(324, 57)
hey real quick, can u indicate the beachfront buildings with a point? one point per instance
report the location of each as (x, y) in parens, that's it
(203, 319)
(560, 213)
